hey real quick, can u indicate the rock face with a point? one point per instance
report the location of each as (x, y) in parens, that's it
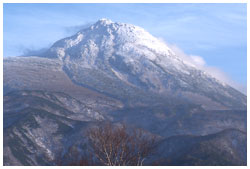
(117, 72)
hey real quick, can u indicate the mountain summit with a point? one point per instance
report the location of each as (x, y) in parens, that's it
(109, 37)
(128, 55)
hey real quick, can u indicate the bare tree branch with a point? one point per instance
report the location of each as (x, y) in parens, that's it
(116, 145)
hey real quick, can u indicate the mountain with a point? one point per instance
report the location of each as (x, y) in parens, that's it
(223, 148)
(129, 56)
(116, 72)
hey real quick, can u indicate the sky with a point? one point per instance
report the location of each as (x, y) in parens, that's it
(213, 36)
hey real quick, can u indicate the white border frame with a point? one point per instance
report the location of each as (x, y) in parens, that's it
(116, 1)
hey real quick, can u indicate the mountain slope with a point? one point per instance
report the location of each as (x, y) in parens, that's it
(130, 57)
(227, 147)
(39, 125)
(37, 73)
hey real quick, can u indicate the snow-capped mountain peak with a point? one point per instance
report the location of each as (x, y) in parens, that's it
(132, 55)
(106, 37)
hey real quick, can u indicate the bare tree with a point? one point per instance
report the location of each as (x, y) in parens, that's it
(117, 145)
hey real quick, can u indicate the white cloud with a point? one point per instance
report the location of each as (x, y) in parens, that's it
(197, 60)
(200, 63)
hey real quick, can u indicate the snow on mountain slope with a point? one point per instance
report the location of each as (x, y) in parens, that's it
(106, 38)
(37, 73)
(129, 56)
(40, 124)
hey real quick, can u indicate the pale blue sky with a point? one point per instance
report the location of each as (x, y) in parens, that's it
(216, 32)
